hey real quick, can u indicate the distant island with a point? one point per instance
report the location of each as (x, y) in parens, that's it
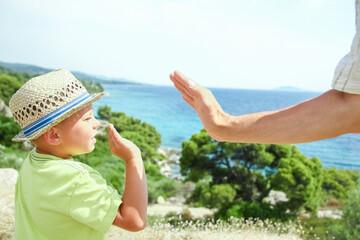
(290, 89)
(32, 69)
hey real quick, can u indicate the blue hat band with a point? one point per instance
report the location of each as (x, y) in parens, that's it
(49, 118)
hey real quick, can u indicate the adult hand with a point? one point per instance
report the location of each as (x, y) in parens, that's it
(203, 102)
(121, 147)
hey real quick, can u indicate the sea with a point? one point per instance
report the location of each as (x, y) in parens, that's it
(163, 107)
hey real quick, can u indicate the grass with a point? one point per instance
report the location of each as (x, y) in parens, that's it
(251, 229)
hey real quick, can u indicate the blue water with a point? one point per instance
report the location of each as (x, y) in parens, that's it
(163, 107)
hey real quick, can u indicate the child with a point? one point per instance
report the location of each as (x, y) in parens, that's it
(56, 197)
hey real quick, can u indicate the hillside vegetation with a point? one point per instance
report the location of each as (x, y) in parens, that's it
(251, 187)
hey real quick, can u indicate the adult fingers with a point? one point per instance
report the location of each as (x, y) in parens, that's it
(189, 101)
(187, 82)
(181, 82)
(178, 84)
(189, 87)
(180, 88)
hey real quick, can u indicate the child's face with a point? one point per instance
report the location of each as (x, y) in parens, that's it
(78, 132)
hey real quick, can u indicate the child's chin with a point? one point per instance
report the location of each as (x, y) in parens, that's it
(89, 150)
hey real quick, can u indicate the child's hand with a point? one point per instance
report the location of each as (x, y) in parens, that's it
(121, 147)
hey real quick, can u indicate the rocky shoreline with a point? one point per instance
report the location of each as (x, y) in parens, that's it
(170, 166)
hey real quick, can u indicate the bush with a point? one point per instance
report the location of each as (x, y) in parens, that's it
(252, 210)
(338, 182)
(8, 86)
(158, 184)
(350, 227)
(113, 170)
(104, 112)
(322, 228)
(8, 129)
(255, 169)
(10, 161)
(142, 134)
(213, 196)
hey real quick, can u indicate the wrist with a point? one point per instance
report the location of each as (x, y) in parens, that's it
(133, 160)
(222, 127)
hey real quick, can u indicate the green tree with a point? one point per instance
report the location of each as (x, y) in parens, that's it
(8, 129)
(212, 196)
(104, 112)
(92, 87)
(301, 179)
(21, 76)
(8, 86)
(338, 182)
(254, 170)
(243, 209)
(144, 135)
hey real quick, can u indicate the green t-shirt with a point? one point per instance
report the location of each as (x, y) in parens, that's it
(62, 199)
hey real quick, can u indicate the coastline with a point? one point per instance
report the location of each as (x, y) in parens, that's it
(170, 167)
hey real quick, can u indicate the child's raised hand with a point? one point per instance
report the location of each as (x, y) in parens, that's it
(121, 147)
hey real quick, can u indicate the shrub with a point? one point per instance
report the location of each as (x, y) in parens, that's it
(8, 86)
(322, 228)
(338, 182)
(104, 112)
(142, 134)
(249, 210)
(8, 129)
(158, 184)
(10, 161)
(350, 227)
(213, 196)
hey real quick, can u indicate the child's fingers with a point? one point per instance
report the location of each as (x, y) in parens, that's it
(113, 131)
(117, 138)
(114, 136)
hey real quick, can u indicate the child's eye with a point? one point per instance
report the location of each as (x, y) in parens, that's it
(88, 118)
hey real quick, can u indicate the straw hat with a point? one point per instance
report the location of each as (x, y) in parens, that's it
(46, 100)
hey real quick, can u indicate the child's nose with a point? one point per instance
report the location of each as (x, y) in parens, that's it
(96, 124)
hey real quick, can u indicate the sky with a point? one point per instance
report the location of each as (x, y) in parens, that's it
(248, 44)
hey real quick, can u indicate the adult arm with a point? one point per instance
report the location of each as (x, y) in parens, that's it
(329, 115)
(132, 213)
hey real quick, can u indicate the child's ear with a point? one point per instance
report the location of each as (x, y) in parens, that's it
(52, 136)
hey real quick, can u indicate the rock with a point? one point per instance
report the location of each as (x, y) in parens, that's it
(172, 154)
(177, 199)
(170, 166)
(5, 110)
(201, 212)
(275, 197)
(168, 209)
(165, 168)
(329, 213)
(160, 200)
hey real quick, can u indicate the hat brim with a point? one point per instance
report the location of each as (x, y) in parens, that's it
(22, 138)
